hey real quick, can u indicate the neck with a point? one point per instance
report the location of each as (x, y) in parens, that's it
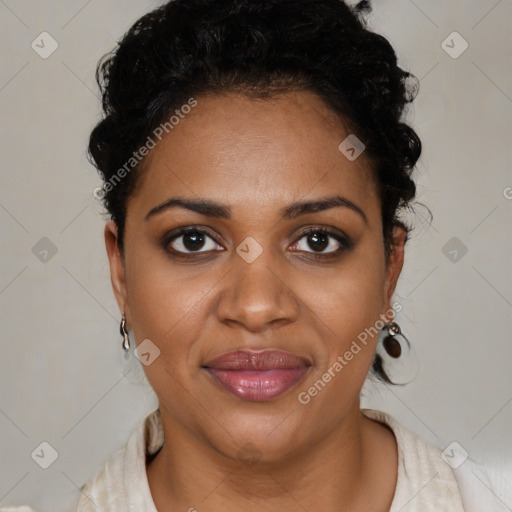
(346, 470)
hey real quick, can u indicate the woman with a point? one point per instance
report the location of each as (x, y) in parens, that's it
(255, 166)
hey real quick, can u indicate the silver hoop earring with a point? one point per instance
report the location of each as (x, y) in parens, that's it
(396, 355)
(124, 334)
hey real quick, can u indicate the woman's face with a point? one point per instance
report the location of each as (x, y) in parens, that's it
(249, 277)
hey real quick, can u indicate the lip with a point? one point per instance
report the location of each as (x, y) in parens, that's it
(257, 375)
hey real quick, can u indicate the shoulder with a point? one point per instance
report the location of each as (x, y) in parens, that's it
(122, 479)
(105, 486)
(425, 482)
(483, 488)
(449, 476)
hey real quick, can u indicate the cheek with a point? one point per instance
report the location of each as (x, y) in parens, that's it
(166, 305)
(347, 311)
(350, 298)
(348, 305)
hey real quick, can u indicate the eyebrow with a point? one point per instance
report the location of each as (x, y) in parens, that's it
(294, 210)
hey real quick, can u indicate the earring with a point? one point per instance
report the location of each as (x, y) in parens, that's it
(396, 356)
(124, 334)
(390, 343)
(131, 367)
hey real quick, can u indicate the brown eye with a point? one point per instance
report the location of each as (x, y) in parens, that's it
(192, 241)
(318, 241)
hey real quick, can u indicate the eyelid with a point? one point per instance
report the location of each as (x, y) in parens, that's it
(323, 229)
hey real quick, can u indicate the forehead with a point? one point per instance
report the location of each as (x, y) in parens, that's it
(256, 153)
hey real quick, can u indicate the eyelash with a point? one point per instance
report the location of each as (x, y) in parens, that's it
(345, 243)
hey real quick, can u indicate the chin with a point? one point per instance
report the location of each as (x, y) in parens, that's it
(260, 436)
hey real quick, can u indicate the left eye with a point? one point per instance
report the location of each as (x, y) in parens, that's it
(319, 241)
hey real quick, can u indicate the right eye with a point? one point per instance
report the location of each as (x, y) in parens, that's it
(190, 241)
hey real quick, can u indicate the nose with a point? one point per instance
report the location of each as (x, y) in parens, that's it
(256, 295)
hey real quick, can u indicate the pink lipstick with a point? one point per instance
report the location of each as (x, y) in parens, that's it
(257, 375)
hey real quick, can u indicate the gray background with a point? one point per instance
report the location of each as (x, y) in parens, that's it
(62, 377)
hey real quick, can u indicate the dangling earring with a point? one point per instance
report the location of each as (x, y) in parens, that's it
(390, 343)
(396, 355)
(124, 334)
(132, 369)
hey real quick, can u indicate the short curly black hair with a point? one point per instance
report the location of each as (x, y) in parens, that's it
(260, 48)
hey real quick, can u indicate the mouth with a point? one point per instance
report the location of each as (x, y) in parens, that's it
(257, 376)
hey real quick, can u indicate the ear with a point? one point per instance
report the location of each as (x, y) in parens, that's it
(115, 258)
(394, 263)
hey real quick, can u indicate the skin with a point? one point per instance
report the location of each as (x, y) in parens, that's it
(257, 157)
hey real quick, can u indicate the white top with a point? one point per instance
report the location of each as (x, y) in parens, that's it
(425, 482)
